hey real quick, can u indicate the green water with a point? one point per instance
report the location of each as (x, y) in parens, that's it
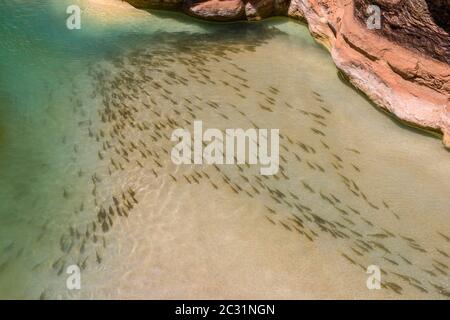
(43, 67)
(54, 173)
(39, 60)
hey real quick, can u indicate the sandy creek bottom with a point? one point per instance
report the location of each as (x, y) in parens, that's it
(354, 188)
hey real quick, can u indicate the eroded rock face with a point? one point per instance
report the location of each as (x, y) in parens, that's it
(404, 67)
(259, 9)
(218, 10)
(411, 22)
(409, 82)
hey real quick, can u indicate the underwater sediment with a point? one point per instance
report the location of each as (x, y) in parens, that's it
(318, 195)
(87, 179)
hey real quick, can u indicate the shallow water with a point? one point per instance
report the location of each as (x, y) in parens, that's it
(86, 177)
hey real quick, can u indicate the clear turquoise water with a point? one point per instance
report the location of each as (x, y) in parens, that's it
(39, 58)
(49, 91)
(31, 127)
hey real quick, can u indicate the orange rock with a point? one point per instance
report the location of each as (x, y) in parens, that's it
(219, 10)
(409, 83)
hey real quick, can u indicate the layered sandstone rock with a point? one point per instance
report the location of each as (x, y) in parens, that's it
(404, 66)
(410, 81)
(218, 10)
(258, 9)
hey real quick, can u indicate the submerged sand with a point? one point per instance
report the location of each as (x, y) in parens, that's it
(345, 198)
(342, 201)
